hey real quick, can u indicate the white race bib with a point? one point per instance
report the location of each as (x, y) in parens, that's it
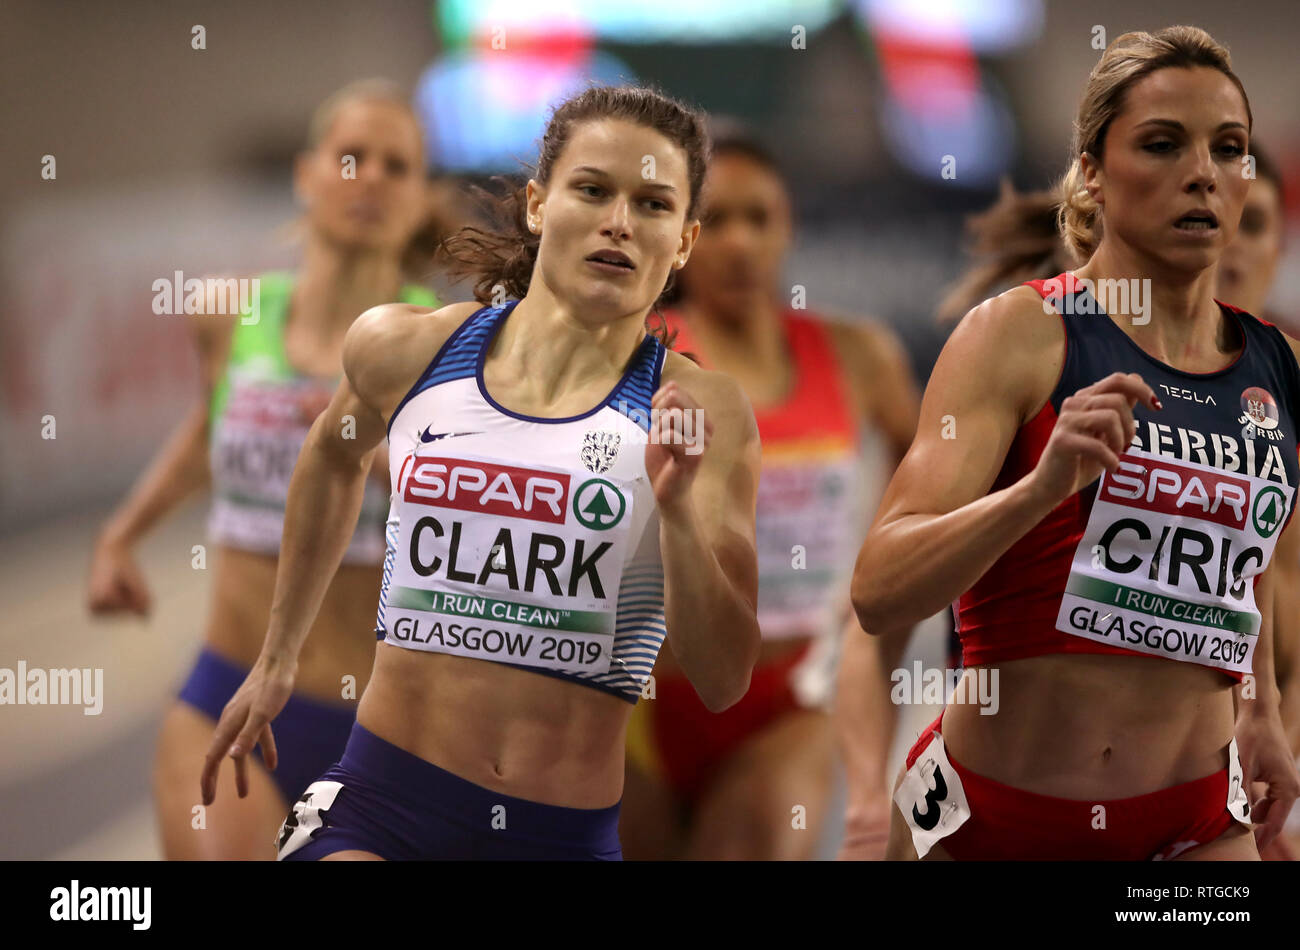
(1238, 801)
(305, 819)
(1166, 562)
(511, 564)
(931, 797)
(805, 548)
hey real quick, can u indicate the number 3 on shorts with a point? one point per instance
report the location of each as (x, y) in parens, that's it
(1238, 804)
(305, 818)
(931, 797)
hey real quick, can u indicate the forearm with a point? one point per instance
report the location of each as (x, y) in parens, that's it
(1289, 709)
(712, 627)
(864, 718)
(1286, 633)
(179, 469)
(325, 495)
(917, 565)
(1257, 694)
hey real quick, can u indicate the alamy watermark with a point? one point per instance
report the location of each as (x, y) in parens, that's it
(1112, 296)
(937, 687)
(76, 902)
(213, 295)
(38, 687)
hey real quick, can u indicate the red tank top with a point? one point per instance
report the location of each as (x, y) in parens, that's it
(809, 519)
(1162, 555)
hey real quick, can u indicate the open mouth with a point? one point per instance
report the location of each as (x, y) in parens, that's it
(615, 259)
(1197, 221)
(368, 213)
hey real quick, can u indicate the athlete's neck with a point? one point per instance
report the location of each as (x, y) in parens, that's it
(755, 338)
(334, 286)
(548, 344)
(1171, 314)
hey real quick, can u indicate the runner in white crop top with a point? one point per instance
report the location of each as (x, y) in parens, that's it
(536, 503)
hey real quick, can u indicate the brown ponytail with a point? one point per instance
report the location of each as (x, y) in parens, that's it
(1013, 241)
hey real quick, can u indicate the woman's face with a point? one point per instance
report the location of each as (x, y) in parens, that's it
(1246, 269)
(376, 201)
(612, 219)
(1175, 149)
(736, 264)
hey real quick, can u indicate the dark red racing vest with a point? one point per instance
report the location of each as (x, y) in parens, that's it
(1161, 557)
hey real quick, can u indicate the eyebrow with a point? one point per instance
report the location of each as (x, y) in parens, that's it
(592, 170)
(1174, 124)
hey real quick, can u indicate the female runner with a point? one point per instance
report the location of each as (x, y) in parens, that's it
(1016, 239)
(1244, 279)
(554, 512)
(262, 384)
(724, 786)
(1121, 613)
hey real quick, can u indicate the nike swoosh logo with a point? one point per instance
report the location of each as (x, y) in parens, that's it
(426, 437)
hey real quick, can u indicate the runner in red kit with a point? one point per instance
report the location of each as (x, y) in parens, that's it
(1104, 488)
(725, 785)
(1245, 279)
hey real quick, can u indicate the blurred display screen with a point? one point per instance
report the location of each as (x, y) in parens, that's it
(986, 26)
(464, 22)
(484, 111)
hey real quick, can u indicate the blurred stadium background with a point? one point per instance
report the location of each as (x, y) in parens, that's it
(173, 158)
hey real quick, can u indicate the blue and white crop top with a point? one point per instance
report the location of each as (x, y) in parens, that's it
(520, 540)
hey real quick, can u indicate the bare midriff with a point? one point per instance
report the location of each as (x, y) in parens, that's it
(1090, 726)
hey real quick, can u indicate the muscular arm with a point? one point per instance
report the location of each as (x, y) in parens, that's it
(1286, 619)
(1286, 628)
(384, 351)
(179, 469)
(1267, 757)
(707, 543)
(884, 388)
(863, 717)
(181, 465)
(937, 531)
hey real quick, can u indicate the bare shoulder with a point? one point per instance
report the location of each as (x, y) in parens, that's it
(864, 342)
(1019, 311)
(1012, 344)
(872, 356)
(212, 325)
(389, 346)
(218, 309)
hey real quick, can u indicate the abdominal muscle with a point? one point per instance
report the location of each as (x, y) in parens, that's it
(341, 641)
(1097, 727)
(520, 733)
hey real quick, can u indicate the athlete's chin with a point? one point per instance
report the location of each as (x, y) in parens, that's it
(739, 301)
(599, 298)
(358, 237)
(1191, 261)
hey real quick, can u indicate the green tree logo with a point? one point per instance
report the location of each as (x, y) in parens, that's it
(592, 504)
(1269, 511)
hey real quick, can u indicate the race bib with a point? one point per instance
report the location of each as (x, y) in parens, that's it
(805, 548)
(499, 562)
(305, 820)
(1238, 801)
(1166, 561)
(931, 797)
